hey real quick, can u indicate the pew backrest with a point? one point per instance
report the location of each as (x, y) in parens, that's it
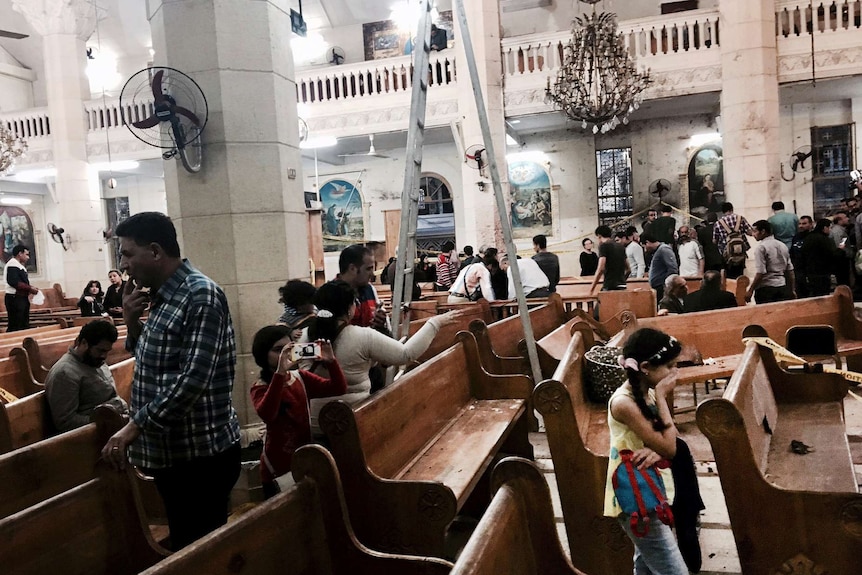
(304, 530)
(16, 375)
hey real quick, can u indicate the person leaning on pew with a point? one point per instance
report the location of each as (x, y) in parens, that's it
(183, 430)
(80, 380)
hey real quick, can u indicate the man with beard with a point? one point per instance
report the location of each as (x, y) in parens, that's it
(80, 380)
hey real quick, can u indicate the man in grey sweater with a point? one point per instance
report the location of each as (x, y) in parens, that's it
(80, 380)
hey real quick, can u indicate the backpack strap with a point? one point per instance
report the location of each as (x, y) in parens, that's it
(723, 224)
(639, 520)
(737, 224)
(663, 511)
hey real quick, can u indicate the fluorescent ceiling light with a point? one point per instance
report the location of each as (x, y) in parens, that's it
(121, 166)
(35, 176)
(405, 16)
(15, 201)
(534, 156)
(319, 142)
(701, 139)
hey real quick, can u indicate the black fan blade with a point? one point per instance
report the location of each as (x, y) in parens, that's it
(157, 86)
(188, 114)
(148, 123)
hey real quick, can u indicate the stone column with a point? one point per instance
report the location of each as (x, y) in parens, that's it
(64, 26)
(749, 106)
(481, 222)
(241, 220)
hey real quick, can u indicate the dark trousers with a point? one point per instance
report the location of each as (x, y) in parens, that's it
(818, 285)
(18, 308)
(734, 271)
(768, 294)
(196, 494)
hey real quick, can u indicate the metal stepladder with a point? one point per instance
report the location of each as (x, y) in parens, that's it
(412, 173)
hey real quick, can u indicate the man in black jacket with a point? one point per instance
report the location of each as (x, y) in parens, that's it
(710, 295)
(18, 289)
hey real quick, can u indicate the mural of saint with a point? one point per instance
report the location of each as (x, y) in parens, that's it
(16, 227)
(531, 209)
(342, 215)
(706, 181)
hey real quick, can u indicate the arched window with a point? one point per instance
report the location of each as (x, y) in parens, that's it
(436, 213)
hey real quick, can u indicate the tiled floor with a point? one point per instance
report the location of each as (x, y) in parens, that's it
(716, 537)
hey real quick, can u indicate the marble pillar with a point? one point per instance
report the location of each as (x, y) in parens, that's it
(65, 25)
(242, 219)
(749, 106)
(481, 221)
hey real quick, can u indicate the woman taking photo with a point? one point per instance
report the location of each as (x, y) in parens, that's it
(90, 303)
(359, 348)
(640, 422)
(281, 397)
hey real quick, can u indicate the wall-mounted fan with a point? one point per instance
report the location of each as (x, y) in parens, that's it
(56, 234)
(474, 156)
(372, 153)
(13, 35)
(659, 188)
(166, 109)
(336, 55)
(800, 161)
(303, 130)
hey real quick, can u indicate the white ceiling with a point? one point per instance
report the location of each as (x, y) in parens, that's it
(125, 31)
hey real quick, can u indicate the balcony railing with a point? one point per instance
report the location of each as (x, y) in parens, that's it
(28, 124)
(375, 77)
(794, 18)
(681, 50)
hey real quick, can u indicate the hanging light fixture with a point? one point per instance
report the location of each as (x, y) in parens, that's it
(11, 148)
(598, 84)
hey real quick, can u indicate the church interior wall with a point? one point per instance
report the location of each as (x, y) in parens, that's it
(15, 93)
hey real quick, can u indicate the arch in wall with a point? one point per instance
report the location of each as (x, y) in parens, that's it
(706, 180)
(436, 212)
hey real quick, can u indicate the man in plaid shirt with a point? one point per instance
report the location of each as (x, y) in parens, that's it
(183, 429)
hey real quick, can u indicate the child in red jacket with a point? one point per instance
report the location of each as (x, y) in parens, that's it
(281, 397)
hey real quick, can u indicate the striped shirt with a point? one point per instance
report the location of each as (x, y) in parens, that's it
(185, 359)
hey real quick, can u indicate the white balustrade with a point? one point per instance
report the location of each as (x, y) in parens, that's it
(109, 114)
(681, 33)
(374, 77)
(794, 18)
(28, 124)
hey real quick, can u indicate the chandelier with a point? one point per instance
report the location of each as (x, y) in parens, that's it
(598, 84)
(11, 148)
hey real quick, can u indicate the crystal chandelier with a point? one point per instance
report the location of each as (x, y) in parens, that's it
(598, 84)
(11, 148)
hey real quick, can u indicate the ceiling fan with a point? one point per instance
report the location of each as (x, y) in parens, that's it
(370, 153)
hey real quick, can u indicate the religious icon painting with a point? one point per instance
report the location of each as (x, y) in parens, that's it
(706, 181)
(530, 205)
(343, 223)
(16, 228)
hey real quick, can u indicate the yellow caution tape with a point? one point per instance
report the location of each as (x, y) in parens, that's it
(6, 396)
(783, 354)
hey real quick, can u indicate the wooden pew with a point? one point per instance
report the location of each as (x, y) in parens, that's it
(16, 377)
(305, 530)
(424, 444)
(94, 528)
(579, 440)
(500, 344)
(641, 301)
(447, 337)
(789, 513)
(516, 535)
(717, 334)
(552, 348)
(33, 331)
(41, 470)
(28, 420)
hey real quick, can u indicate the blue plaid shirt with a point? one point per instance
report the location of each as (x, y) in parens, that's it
(185, 359)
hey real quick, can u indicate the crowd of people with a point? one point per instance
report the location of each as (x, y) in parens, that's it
(794, 256)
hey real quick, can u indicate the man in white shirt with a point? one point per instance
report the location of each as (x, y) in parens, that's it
(691, 262)
(18, 289)
(533, 279)
(634, 252)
